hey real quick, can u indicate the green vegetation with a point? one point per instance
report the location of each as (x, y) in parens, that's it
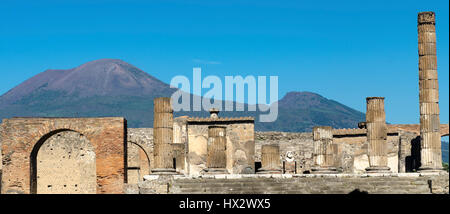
(445, 165)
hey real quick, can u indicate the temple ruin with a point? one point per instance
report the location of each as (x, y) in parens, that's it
(225, 155)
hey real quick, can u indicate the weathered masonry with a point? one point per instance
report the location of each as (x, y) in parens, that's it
(225, 155)
(63, 155)
(428, 94)
(239, 143)
(376, 135)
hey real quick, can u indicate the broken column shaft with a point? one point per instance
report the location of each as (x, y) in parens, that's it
(330, 156)
(162, 136)
(270, 159)
(431, 157)
(376, 135)
(216, 161)
(323, 150)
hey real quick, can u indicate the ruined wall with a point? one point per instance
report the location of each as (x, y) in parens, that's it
(352, 153)
(404, 183)
(415, 128)
(352, 150)
(240, 147)
(296, 149)
(22, 138)
(66, 165)
(300, 145)
(140, 153)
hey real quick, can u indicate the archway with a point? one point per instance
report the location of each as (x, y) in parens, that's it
(63, 162)
(138, 162)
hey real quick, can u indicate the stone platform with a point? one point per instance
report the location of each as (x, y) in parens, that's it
(390, 183)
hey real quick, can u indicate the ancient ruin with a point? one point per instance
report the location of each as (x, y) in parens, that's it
(225, 155)
(270, 159)
(163, 135)
(324, 150)
(428, 94)
(376, 134)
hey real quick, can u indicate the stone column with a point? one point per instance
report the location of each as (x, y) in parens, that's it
(162, 136)
(270, 159)
(431, 157)
(330, 157)
(216, 161)
(376, 135)
(323, 150)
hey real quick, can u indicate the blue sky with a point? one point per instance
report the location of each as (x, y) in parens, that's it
(343, 50)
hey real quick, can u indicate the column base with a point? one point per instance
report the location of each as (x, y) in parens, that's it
(215, 171)
(378, 169)
(162, 171)
(426, 169)
(269, 171)
(324, 170)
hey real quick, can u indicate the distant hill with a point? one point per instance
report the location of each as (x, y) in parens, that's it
(112, 87)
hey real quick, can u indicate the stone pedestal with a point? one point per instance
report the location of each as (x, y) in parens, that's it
(431, 157)
(376, 135)
(216, 161)
(324, 150)
(270, 160)
(162, 137)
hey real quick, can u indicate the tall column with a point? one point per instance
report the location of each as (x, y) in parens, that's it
(162, 136)
(216, 161)
(270, 159)
(323, 141)
(376, 135)
(431, 157)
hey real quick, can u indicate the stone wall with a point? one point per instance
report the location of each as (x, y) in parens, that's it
(352, 149)
(402, 183)
(298, 147)
(352, 153)
(140, 153)
(22, 139)
(66, 163)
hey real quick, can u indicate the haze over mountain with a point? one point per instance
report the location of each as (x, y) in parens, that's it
(112, 87)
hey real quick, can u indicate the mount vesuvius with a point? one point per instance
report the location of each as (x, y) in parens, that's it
(112, 87)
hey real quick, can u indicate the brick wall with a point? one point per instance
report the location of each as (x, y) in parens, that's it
(22, 138)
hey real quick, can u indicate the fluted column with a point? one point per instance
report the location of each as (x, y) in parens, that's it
(270, 159)
(216, 161)
(323, 150)
(376, 135)
(431, 157)
(163, 136)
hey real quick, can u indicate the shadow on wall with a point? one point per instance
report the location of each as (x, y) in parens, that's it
(412, 162)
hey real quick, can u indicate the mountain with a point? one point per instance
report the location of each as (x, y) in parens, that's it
(304, 110)
(112, 87)
(106, 87)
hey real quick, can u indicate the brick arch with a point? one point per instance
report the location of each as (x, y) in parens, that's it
(35, 151)
(146, 151)
(22, 136)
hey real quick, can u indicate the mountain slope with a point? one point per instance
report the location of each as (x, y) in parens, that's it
(111, 87)
(304, 110)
